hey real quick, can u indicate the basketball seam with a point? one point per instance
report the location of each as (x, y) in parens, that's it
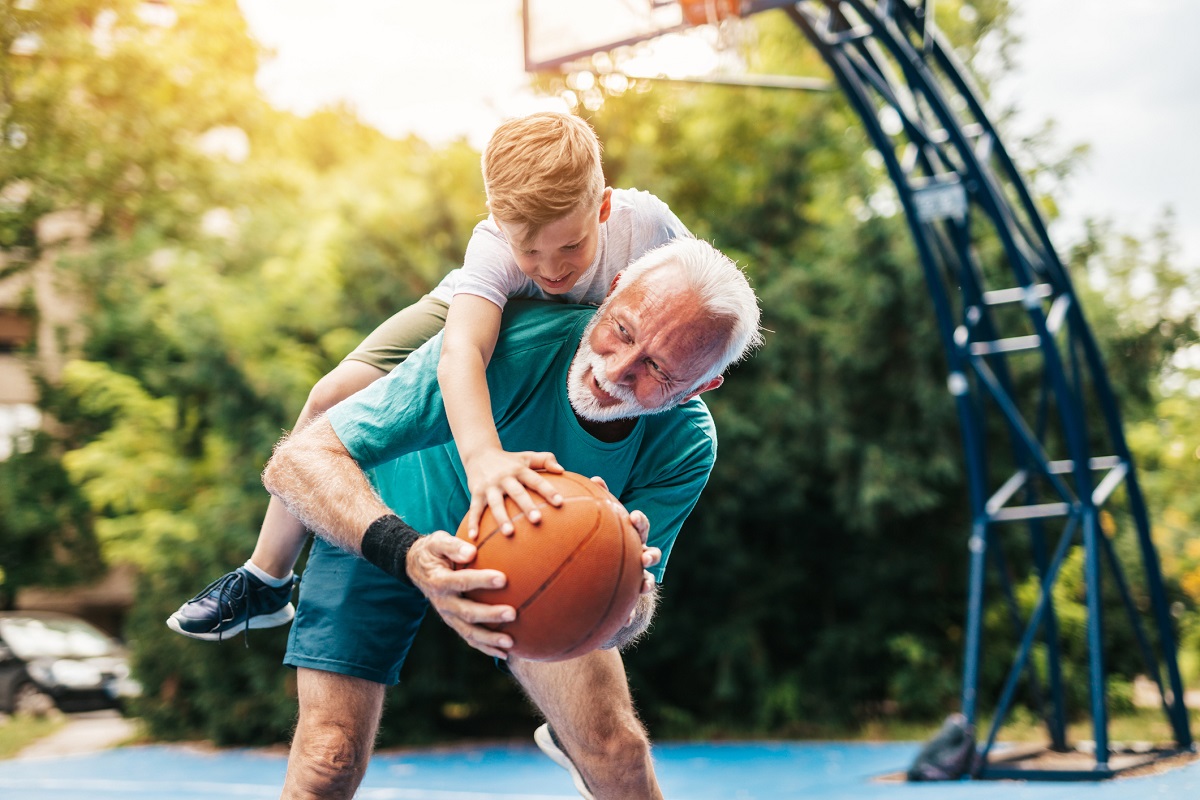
(566, 560)
(611, 599)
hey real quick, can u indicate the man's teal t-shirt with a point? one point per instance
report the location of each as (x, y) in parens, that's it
(396, 429)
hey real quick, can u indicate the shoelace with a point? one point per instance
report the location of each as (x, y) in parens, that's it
(230, 587)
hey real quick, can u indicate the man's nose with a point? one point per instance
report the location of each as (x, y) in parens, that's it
(620, 365)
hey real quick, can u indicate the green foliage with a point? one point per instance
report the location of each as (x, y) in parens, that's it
(45, 526)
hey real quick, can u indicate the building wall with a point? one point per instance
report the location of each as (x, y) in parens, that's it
(37, 308)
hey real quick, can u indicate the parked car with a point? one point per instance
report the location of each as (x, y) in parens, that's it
(49, 659)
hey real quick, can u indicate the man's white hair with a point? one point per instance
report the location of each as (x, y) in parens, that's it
(724, 294)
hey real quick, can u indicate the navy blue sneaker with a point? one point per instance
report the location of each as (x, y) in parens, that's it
(548, 743)
(235, 601)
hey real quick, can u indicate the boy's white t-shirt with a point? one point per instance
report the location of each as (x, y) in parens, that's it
(638, 223)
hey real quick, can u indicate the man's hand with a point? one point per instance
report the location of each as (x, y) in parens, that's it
(492, 474)
(430, 565)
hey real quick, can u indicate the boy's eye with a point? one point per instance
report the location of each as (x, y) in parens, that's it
(572, 246)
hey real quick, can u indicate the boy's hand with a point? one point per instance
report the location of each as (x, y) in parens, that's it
(495, 473)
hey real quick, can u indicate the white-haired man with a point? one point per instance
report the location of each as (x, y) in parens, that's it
(611, 392)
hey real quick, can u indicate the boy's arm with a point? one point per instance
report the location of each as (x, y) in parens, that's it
(472, 326)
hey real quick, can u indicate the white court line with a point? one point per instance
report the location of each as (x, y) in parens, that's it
(212, 789)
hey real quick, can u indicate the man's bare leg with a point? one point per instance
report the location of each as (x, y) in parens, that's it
(587, 702)
(339, 717)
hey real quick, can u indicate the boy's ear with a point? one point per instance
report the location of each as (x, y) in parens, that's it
(612, 287)
(606, 204)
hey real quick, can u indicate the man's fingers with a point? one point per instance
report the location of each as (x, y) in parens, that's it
(440, 546)
(647, 583)
(474, 613)
(601, 481)
(641, 524)
(651, 556)
(486, 640)
(457, 581)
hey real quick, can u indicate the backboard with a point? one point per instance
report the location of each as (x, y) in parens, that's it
(687, 40)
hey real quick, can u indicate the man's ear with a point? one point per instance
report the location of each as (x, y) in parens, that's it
(707, 386)
(606, 205)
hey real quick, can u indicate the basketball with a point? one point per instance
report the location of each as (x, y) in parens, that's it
(573, 578)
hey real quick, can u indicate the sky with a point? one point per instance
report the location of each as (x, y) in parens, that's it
(1118, 76)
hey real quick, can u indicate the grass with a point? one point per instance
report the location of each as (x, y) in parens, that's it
(19, 731)
(1140, 725)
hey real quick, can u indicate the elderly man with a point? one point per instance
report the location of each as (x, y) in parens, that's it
(611, 393)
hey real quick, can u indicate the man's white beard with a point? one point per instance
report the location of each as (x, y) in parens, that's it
(586, 404)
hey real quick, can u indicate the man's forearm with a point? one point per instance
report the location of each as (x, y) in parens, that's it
(322, 486)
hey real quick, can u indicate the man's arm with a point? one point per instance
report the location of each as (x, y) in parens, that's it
(314, 475)
(322, 486)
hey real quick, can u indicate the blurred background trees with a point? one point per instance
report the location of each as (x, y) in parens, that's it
(236, 253)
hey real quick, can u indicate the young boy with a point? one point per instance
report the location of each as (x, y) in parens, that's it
(555, 232)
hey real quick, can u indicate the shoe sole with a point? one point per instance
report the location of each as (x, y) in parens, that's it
(545, 743)
(281, 617)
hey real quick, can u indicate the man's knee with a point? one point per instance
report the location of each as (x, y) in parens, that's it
(330, 755)
(618, 740)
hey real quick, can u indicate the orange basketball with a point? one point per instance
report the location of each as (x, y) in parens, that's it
(573, 578)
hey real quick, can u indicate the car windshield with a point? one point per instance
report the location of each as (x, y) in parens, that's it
(54, 638)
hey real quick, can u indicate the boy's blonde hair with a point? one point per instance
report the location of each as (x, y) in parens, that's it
(540, 168)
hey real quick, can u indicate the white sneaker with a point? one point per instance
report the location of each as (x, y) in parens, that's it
(548, 744)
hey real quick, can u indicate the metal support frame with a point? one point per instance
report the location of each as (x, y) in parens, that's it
(1006, 318)
(957, 185)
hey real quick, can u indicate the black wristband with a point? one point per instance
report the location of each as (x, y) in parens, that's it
(386, 544)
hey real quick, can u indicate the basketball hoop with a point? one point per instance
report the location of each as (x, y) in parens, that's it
(709, 12)
(624, 42)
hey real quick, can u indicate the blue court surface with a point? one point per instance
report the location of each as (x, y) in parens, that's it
(742, 771)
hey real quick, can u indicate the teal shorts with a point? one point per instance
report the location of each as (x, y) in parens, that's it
(353, 618)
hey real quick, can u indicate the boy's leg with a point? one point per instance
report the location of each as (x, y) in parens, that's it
(335, 734)
(282, 536)
(258, 594)
(587, 703)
